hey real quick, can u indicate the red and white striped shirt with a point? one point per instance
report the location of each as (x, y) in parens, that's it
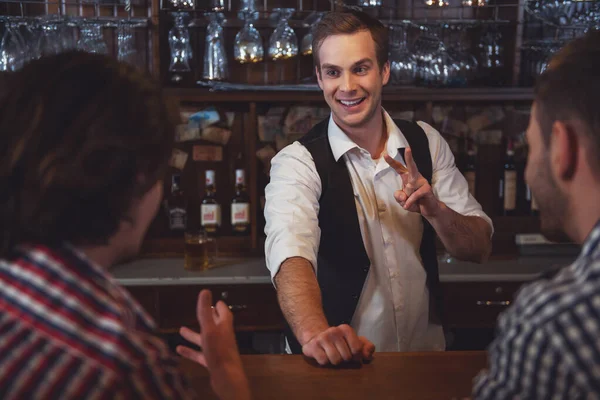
(69, 331)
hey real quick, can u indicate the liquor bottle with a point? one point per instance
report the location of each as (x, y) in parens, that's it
(533, 206)
(508, 183)
(470, 170)
(240, 206)
(177, 205)
(210, 209)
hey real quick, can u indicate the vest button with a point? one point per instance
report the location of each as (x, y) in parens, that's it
(355, 297)
(366, 269)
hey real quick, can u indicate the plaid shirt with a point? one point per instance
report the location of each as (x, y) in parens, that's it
(68, 330)
(548, 342)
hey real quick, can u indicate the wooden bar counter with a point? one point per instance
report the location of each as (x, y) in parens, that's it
(434, 375)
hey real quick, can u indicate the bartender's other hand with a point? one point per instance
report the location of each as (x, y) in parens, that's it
(338, 344)
(219, 353)
(416, 194)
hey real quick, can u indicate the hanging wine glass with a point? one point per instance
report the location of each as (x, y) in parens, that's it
(11, 49)
(126, 50)
(248, 46)
(370, 3)
(474, 3)
(437, 3)
(90, 39)
(312, 20)
(403, 63)
(215, 59)
(179, 44)
(283, 43)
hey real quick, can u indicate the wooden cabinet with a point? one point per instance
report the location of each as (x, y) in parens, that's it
(254, 306)
(476, 304)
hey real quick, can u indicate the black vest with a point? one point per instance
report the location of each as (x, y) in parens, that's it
(342, 261)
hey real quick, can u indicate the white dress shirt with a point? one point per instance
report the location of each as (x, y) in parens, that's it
(393, 309)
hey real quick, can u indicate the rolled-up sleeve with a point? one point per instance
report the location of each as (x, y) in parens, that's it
(292, 208)
(447, 182)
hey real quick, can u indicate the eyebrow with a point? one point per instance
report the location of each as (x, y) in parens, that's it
(359, 62)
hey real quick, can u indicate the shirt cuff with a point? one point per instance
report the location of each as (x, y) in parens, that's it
(276, 258)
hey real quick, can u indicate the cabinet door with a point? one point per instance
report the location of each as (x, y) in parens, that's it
(255, 306)
(476, 304)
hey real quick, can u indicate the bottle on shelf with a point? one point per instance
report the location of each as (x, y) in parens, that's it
(533, 206)
(471, 169)
(177, 205)
(508, 183)
(240, 206)
(210, 209)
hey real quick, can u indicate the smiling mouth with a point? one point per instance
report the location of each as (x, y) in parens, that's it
(351, 103)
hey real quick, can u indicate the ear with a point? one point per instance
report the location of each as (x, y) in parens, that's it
(319, 80)
(385, 73)
(563, 151)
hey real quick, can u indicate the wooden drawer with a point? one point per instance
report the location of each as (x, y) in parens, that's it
(476, 304)
(255, 307)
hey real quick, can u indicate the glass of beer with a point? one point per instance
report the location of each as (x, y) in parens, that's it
(200, 251)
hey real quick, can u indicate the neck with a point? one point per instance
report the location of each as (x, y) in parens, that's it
(371, 136)
(584, 212)
(103, 256)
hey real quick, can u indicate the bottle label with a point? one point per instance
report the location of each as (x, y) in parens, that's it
(510, 190)
(210, 214)
(177, 218)
(470, 176)
(240, 213)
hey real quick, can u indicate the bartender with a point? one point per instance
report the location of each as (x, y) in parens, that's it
(352, 210)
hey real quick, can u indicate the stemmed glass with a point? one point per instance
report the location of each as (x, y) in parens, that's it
(179, 44)
(474, 3)
(91, 39)
(403, 63)
(306, 45)
(283, 43)
(215, 59)
(12, 57)
(126, 50)
(248, 46)
(433, 67)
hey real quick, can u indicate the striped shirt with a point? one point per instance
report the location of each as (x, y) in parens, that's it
(69, 331)
(548, 342)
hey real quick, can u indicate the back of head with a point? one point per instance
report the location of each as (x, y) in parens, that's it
(570, 90)
(81, 137)
(348, 22)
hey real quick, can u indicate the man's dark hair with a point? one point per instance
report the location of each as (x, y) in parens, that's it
(570, 90)
(82, 136)
(348, 22)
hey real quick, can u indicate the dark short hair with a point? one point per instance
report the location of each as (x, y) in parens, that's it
(348, 22)
(82, 136)
(570, 90)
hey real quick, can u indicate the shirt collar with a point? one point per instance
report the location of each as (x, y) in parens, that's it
(341, 143)
(591, 242)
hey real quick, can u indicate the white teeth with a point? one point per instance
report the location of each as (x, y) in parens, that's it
(350, 103)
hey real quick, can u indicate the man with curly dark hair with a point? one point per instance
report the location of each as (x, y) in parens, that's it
(84, 143)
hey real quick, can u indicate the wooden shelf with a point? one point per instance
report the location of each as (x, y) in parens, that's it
(408, 94)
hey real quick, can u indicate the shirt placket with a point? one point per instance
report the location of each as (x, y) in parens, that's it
(396, 287)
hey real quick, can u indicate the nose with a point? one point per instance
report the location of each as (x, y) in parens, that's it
(348, 83)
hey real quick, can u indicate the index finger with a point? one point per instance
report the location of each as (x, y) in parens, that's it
(397, 165)
(410, 163)
(204, 311)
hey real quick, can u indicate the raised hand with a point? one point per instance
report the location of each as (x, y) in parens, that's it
(219, 353)
(338, 344)
(416, 194)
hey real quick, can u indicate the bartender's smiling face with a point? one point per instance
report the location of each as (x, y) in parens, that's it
(351, 78)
